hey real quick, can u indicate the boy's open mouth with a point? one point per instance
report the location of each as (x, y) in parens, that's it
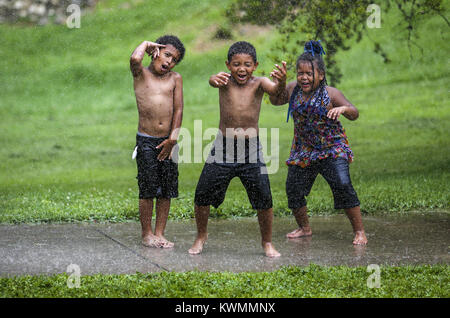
(164, 67)
(242, 77)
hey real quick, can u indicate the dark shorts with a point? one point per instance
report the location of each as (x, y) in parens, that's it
(156, 179)
(248, 166)
(335, 171)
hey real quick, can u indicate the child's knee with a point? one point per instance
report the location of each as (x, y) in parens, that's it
(265, 211)
(296, 201)
(345, 196)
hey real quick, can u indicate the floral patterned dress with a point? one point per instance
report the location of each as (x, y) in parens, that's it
(316, 136)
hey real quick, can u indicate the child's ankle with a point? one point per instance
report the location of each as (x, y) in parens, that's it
(202, 236)
(147, 234)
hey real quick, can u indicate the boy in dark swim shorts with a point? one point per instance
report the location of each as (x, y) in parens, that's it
(237, 151)
(245, 162)
(156, 178)
(159, 98)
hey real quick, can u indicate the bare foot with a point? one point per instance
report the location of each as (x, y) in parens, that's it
(197, 248)
(270, 250)
(156, 242)
(300, 232)
(360, 238)
(150, 241)
(164, 243)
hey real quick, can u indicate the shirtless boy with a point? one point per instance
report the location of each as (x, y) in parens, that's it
(237, 143)
(159, 98)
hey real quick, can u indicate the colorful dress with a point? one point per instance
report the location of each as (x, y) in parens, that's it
(316, 136)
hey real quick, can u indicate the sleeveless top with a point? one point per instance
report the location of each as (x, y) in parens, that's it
(316, 136)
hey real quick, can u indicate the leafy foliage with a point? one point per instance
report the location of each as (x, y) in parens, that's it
(333, 22)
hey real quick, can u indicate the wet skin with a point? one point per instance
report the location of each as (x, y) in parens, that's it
(159, 99)
(309, 81)
(240, 96)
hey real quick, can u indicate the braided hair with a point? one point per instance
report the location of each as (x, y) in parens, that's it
(312, 54)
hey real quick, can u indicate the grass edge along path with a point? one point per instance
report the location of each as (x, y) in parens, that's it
(418, 281)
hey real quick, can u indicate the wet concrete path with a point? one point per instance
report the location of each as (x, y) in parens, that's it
(233, 245)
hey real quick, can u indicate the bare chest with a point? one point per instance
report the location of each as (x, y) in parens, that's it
(237, 99)
(151, 88)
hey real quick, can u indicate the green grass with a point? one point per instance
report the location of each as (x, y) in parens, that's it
(68, 120)
(68, 116)
(287, 282)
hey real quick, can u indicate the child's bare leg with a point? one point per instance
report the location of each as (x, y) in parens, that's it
(301, 216)
(162, 213)
(265, 219)
(145, 216)
(201, 218)
(354, 215)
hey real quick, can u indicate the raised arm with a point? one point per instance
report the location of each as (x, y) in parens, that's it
(340, 105)
(283, 97)
(278, 85)
(138, 55)
(177, 118)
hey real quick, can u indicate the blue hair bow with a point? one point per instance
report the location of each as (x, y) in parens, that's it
(309, 47)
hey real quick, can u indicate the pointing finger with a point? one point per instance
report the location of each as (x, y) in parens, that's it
(155, 52)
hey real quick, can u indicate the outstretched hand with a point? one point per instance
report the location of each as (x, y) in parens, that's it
(220, 79)
(279, 73)
(166, 151)
(334, 113)
(153, 49)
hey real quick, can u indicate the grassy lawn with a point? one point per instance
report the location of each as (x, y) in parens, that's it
(68, 116)
(68, 121)
(287, 282)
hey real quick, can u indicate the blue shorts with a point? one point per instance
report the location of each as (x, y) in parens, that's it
(335, 171)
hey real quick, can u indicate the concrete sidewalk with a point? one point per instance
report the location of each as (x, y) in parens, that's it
(233, 245)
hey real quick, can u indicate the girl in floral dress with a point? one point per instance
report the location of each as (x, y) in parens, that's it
(320, 144)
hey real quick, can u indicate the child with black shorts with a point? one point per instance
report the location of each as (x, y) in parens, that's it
(237, 150)
(159, 98)
(320, 144)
